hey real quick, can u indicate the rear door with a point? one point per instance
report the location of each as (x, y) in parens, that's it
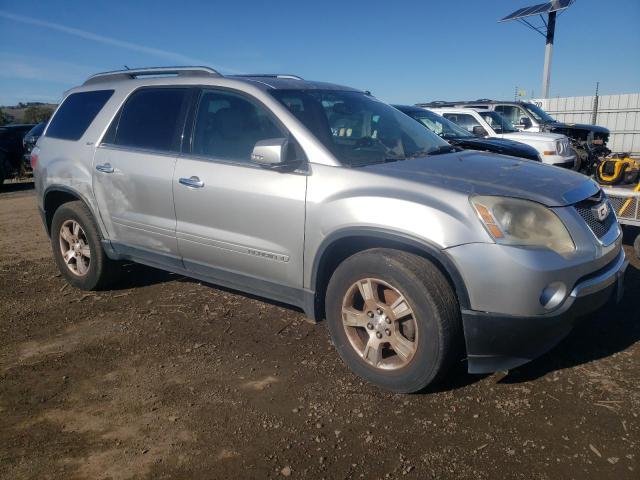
(236, 220)
(133, 173)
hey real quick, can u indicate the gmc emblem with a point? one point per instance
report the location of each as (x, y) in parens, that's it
(601, 211)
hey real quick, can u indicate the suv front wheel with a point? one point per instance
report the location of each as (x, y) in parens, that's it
(393, 318)
(77, 249)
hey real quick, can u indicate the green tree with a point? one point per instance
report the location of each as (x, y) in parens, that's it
(37, 114)
(4, 119)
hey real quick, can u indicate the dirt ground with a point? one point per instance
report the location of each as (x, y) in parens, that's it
(166, 377)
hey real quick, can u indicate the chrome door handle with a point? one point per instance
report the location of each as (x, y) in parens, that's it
(105, 168)
(191, 182)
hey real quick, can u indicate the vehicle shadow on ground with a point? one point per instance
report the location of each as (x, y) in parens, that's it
(602, 334)
(135, 275)
(16, 187)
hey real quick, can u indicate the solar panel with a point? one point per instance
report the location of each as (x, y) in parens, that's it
(552, 6)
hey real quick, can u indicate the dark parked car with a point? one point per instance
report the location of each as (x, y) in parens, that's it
(460, 137)
(29, 141)
(12, 150)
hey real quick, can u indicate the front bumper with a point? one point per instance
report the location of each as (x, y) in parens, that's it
(497, 342)
(559, 161)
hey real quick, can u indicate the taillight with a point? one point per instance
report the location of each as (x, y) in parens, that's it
(34, 160)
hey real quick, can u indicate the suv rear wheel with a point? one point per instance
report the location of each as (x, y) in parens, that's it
(393, 318)
(77, 250)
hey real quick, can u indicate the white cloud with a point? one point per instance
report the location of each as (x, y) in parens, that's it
(168, 55)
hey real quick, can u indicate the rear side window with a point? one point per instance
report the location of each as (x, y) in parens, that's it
(76, 114)
(151, 119)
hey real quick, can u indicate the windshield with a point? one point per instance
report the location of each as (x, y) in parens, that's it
(539, 114)
(439, 125)
(498, 122)
(359, 129)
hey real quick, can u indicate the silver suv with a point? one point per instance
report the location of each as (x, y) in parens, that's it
(325, 198)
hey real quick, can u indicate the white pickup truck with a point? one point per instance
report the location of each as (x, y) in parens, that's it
(553, 148)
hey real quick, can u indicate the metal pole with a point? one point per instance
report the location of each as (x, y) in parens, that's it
(548, 51)
(594, 115)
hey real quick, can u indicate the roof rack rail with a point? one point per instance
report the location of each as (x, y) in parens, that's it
(151, 71)
(442, 103)
(269, 75)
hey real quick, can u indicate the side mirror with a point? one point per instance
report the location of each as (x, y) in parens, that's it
(271, 152)
(479, 131)
(525, 122)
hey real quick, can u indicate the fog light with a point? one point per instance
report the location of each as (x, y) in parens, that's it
(553, 295)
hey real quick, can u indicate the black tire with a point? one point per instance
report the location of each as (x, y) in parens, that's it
(437, 316)
(102, 271)
(577, 166)
(636, 246)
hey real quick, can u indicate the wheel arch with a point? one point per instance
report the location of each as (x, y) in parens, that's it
(341, 244)
(56, 196)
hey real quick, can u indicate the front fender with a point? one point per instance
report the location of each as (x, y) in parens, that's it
(439, 256)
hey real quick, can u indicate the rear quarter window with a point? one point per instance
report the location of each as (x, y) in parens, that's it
(151, 119)
(76, 114)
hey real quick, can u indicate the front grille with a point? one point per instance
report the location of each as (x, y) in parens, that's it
(585, 209)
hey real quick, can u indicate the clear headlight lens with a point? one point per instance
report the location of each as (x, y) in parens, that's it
(558, 147)
(513, 221)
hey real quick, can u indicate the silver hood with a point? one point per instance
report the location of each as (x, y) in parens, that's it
(472, 172)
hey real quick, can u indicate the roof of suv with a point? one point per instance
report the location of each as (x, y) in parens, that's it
(265, 81)
(481, 101)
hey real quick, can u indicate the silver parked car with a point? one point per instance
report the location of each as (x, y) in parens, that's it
(326, 198)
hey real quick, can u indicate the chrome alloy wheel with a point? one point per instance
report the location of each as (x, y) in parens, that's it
(75, 248)
(380, 324)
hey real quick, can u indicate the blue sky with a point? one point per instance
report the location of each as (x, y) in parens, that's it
(402, 51)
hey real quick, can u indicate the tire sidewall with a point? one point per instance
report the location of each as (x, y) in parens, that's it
(425, 364)
(71, 212)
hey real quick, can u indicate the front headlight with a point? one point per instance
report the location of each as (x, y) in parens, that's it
(513, 221)
(559, 147)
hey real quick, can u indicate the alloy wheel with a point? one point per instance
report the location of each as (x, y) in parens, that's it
(380, 324)
(75, 248)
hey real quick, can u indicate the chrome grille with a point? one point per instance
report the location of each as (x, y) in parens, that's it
(585, 209)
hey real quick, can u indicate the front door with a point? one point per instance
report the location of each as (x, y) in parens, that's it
(237, 221)
(133, 174)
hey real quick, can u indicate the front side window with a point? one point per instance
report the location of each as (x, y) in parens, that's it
(359, 129)
(151, 119)
(229, 125)
(511, 113)
(498, 122)
(76, 114)
(468, 122)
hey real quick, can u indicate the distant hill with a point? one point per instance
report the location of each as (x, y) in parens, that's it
(17, 113)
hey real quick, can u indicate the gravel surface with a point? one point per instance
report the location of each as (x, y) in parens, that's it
(166, 377)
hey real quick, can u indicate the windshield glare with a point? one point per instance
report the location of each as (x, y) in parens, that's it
(498, 122)
(539, 114)
(357, 128)
(440, 126)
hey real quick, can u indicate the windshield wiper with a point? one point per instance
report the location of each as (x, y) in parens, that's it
(436, 151)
